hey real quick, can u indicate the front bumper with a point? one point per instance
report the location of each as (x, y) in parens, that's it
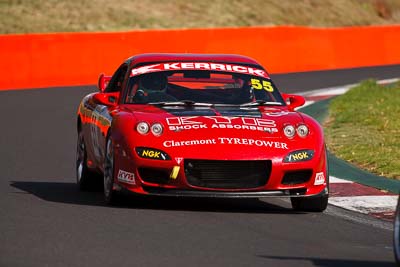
(162, 192)
(223, 194)
(154, 176)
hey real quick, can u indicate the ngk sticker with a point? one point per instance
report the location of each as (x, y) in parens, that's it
(199, 66)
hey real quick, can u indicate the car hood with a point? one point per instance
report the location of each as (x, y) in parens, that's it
(221, 133)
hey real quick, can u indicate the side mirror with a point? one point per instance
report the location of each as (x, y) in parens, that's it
(294, 101)
(103, 82)
(106, 99)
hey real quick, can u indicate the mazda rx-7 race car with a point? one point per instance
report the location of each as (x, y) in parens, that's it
(199, 125)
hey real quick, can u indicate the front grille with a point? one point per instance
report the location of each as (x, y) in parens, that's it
(296, 177)
(227, 174)
(155, 176)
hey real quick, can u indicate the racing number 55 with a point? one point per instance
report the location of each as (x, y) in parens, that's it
(262, 84)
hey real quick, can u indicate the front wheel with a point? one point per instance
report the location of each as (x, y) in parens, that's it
(314, 204)
(85, 178)
(110, 195)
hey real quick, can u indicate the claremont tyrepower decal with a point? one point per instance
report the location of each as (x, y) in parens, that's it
(226, 141)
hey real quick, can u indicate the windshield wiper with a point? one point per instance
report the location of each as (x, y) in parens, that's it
(187, 103)
(260, 103)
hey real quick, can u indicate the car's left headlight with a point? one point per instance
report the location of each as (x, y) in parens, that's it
(302, 130)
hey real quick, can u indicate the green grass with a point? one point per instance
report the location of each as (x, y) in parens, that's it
(363, 127)
(18, 16)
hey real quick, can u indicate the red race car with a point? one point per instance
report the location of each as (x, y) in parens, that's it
(199, 125)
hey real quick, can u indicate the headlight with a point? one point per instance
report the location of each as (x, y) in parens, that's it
(157, 129)
(143, 127)
(302, 130)
(289, 131)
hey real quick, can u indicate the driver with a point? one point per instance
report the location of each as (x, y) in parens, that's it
(153, 88)
(153, 82)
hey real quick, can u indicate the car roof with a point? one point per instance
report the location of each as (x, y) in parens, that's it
(161, 57)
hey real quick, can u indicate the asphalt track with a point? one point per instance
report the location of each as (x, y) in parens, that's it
(45, 221)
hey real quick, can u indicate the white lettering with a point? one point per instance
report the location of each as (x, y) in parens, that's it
(174, 66)
(204, 66)
(221, 122)
(239, 69)
(226, 141)
(167, 143)
(221, 119)
(198, 66)
(145, 69)
(259, 142)
(217, 66)
(249, 121)
(266, 123)
(187, 65)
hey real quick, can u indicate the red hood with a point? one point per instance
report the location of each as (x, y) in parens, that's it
(228, 132)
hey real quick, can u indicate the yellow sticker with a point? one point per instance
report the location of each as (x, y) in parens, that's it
(262, 84)
(175, 172)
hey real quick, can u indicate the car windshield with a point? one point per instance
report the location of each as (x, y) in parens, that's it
(191, 87)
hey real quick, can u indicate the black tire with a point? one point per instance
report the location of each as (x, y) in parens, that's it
(85, 178)
(111, 196)
(396, 234)
(313, 204)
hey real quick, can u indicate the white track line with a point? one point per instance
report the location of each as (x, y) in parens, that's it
(335, 180)
(366, 204)
(362, 204)
(394, 80)
(339, 90)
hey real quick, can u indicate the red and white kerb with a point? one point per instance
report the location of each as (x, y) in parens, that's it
(199, 66)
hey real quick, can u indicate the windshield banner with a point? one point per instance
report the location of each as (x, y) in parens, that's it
(199, 66)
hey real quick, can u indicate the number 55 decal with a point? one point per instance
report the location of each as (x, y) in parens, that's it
(262, 84)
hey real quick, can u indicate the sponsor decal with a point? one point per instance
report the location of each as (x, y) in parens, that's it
(262, 85)
(319, 178)
(227, 141)
(221, 122)
(299, 155)
(178, 160)
(126, 177)
(171, 143)
(174, 172)
(151, 153)
(199, 66)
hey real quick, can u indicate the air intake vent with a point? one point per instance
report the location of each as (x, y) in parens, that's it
(296, 177)
(227, 174)
(155, 176)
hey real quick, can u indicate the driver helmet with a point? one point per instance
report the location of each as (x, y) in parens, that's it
(153, 82)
